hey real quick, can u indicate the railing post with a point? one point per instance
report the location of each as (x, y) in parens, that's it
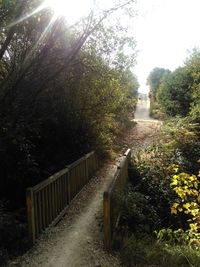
(46, 201)
(107, 222)
(86, 168)
(96, 161)
(68, 186)
(31, 214)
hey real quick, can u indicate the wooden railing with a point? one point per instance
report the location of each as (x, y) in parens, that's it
(110, 206)
(47, 201)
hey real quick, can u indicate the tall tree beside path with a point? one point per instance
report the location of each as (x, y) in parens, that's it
(65, 89)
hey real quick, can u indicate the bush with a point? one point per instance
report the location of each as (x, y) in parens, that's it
(154, 182)
(140, 216)
(155, 110)
(13, 233)
(179, 145)
(153, 201)
(181, 140)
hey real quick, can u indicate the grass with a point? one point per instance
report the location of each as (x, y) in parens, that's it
(148, 252)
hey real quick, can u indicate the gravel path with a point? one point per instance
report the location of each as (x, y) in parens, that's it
(77, 241)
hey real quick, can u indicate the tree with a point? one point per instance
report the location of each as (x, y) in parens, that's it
(64, 91)
(179, 92)
(155, 79)
(193, 66)
(175, 93)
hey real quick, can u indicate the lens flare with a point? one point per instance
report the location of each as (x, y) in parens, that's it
(71, 10)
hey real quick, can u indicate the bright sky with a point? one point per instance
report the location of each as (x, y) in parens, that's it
(73, 10)
(165, 30)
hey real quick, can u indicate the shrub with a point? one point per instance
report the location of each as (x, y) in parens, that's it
(13, 233)
(140, 216)
(159, 198)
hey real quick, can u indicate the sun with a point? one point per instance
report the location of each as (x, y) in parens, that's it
(72, 10)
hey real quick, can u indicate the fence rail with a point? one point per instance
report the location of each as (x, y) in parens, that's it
(110, 207)
(48, 200)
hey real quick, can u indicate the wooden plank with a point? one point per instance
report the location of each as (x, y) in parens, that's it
(75, 163)
(56, 198)
(62, 192)
(66, 189)
(127, 153)
(110, 209)
(53, 194)
(72, 183)
(50, 199)
(30, 214)
(69, 186)
(83, 175)
(43, 209)
(59, 217)
(86, 169)
(39, 213)
(76, 181)
(106, 220)
(49, 180)
(113, 182)
(36, 214)
(53, 201)
(59, 195)
(47, 206)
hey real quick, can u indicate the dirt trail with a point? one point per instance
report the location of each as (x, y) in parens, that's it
(142, 110)
(77, 241)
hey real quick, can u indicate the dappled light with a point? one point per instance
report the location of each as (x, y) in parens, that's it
(76, 125)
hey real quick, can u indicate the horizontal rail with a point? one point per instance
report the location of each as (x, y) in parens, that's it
(49, 180)
(110, 205)
(47, 201)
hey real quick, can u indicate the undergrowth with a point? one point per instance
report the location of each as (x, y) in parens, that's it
(149, 252)
(160, 206)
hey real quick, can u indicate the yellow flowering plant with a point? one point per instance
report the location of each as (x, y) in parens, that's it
(186, 186)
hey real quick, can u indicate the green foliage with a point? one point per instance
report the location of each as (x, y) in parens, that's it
(64, 91)
(186, 187)
(154, 80)
(193, 65)
(181, 140)
(174, 95)
(146, 251)
(178, 93)
(164, 199)
(179, 144)
(13, 233)
(136, 210)
(153, 182)
(156, 111)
